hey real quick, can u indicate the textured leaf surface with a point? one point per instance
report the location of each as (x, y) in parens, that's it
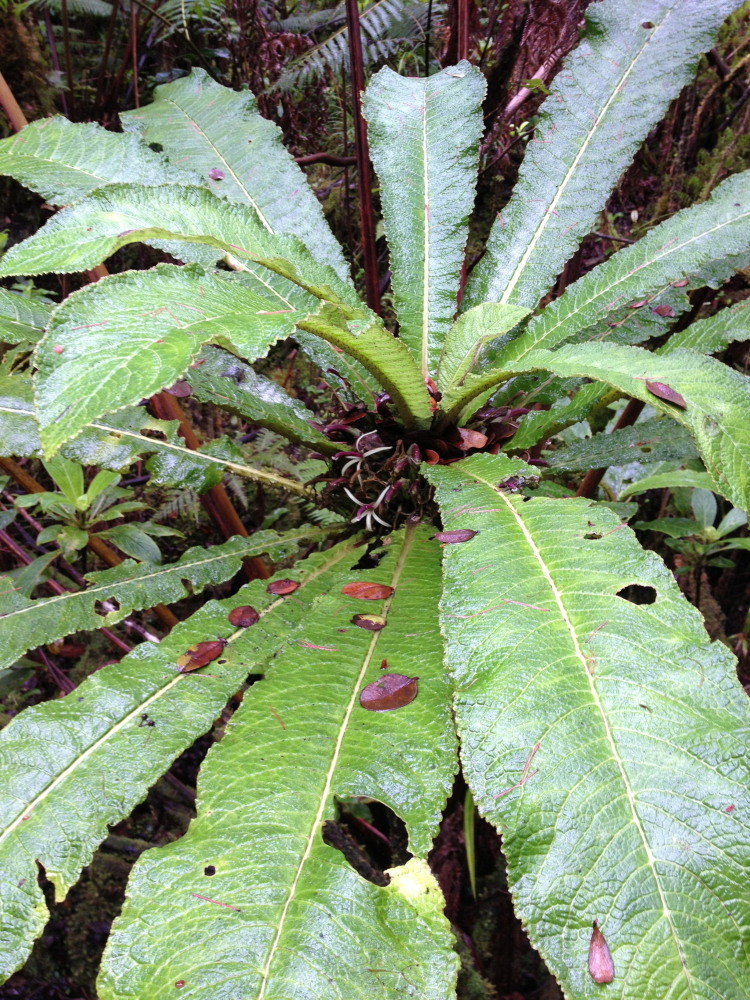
(302, 922)
(467, 337)
(21, 318)
(128, 587)
(70, 767)
(64, 161)
(210, 127)
(708, 241)
(656, 440)
(424, 137)
(128, 336)
(117, 441)
(633, 59)
(711, 335)
(223, 379)
(580, 692)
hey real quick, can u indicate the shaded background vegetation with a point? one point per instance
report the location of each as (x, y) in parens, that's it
(90, 60)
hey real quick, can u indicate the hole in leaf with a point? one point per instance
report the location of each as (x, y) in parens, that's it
(209, 870)
(338, 836)
(156, 146)
(647, 24)
(638, 594)
(593, 535)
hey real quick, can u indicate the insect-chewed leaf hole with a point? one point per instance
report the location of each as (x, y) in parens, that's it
(636, 593)
(370, 836)
(592, 536)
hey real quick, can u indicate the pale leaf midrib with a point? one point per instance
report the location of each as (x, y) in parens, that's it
(426, 237)
(155, 445)
(194, 124)
(673, 248)
(596, 700)
(541, 228)
(134, 713)
(325, 794)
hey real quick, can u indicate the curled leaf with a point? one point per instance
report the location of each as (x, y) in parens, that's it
(452, 537)
(389, 692)
(200, 654)
(365, 591)
(664, 391)
(282, 587)
(601, 966)
(373, 623)
(244, 616)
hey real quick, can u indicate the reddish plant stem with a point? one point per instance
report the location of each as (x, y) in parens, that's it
(16, 118)
(462, 29)
(216, 501)
(593, 477)
(68, 57)
(362, 149)
(102, 75)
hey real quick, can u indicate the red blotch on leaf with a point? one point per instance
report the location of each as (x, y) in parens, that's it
(389, 692)
(282, 587)
(373, 623)
(181, 388)
(663, 310)
(244, 616)
(729, 809)
(639, 304)
(601, 966)
(367, 591)
(664, 391)
(680, 284)
(215, 174)
(58, 348)
(457, 535)
(199, 655)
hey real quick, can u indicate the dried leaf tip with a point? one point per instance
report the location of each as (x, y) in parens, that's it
(601, 966)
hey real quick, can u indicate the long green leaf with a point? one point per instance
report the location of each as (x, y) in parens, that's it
(239, 155)
(73, 766)
(424, 139)
(633, 59)
(707, 242)
(294, 918)
(128, 336)
(117, 441)
(468, 336)
(655, 440)
(21, 318)
(125, 588)
(568, 700)
(64, 161)
(223, 379)
(717, 399)
(714, 334)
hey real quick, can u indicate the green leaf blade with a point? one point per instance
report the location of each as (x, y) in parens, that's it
(568, 696)
(64, 161)
(88, 760)
(220, 131)
(131, 335)
(286, 887)
(611, 91)
(424, 136)
(21, 319)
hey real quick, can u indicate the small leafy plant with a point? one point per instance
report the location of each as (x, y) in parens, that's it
(461, 602)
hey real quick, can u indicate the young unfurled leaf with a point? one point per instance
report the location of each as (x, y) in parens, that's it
(244, 616)
(373, 623)
(282, 587)
(457, 535)
(200, 654)
(664, 391)
(601, 966)
(365, 591)
(389, 692)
